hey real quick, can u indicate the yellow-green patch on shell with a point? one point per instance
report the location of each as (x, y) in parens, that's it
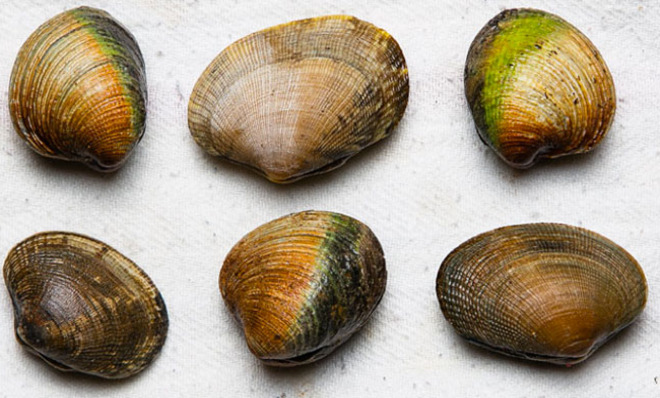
(300, 98)
(82, 306)
(537, 88)
(546, 292)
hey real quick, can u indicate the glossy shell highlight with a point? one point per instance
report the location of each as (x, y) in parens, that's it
(301, 285)
(82, 306)
(546, 292)
(537, 88)
(300, 98)
(78, 90)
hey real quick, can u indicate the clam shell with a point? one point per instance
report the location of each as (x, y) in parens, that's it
(82, 306)
(300, 98)
(78, 90)
(537, 88)
(301, 285)
(546, 292)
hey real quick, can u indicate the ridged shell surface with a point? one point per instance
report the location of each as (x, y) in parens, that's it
(546, 292)
(300, 98)
(537, 88)
(303, 284)
(82, 306)
(78, 90)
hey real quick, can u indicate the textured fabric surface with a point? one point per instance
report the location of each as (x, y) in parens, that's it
(176, 212)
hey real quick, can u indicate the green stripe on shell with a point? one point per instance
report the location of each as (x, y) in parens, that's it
(117, 43)
(515, 39)
(327, 306)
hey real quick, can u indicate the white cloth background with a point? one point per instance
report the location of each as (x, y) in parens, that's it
(176, 211)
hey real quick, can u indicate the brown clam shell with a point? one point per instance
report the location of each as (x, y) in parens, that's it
(546, 292)
(301, 285)
(300, 98)
(78, 90)
(82, 306)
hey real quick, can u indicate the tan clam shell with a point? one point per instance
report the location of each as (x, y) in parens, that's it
(302, 284)
(300, 98)
(78, 90)
(546, 292)
(82, 306)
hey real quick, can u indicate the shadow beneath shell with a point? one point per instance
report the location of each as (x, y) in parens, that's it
(337, 359)
(66, 378)
(564, 165)
(61, 169)
(609, 348)
(366, 158)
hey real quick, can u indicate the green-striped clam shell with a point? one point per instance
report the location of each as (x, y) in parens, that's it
(303, 284)
(537, 87)
(78, 90)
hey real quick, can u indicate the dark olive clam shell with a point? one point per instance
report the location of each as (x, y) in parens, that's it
(82, 306)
